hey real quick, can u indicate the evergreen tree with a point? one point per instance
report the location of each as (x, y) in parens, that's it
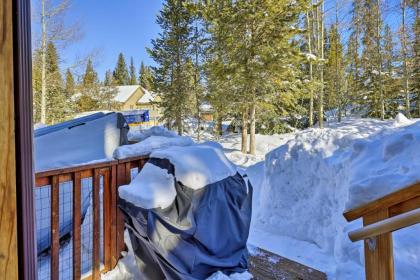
(69, 91)
(334, 71)
(109, 79)
(36, 84)
(70, 87)
(372, 59)
(171, 52)
(353, 61)
(146, 77)
(121, 75)
(391, 82)
(256, 33)
(90, 89)
(56, 98)
(133, 78)
(108, 93)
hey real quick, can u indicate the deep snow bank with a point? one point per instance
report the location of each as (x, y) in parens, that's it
(311, 180)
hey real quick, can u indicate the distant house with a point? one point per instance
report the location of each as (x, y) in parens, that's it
(136, 97)
(206, 111)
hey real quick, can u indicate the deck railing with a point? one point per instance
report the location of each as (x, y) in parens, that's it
(381, 217)
(107, 238)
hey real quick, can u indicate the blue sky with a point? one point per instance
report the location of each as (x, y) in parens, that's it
(110, 27)
(128, 26)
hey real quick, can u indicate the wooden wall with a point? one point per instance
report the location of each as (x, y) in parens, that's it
(8, 221)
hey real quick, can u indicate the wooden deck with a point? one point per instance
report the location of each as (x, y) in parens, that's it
(266, 265)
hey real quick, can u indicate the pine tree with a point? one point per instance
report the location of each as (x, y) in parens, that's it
(391, 82)
(70, 87)
(108, 92)
(56, 98)
(121, 75)
(372, 59)
(146, 77)
(171, 52)
(334, 71)
(353, 60)
(69, 92)
(109, 79)
(90, 89)
(36, 84)
(256, 32)
(133, 78)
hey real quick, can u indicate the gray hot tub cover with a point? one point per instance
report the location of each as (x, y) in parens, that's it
(201, 232)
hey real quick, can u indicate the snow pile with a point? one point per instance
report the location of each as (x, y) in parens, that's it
(150, 143)
(140, 135)
(311, 180)
(199, 165)
(264, 144)
(400, 120)
(234, 276)
(153, 187)
(126, 268)
(39, 125)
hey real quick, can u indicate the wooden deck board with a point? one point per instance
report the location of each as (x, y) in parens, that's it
(266, 265)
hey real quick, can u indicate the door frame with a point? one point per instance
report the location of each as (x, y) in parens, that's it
(22, 70)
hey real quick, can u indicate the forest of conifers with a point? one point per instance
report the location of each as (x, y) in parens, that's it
(268, 65)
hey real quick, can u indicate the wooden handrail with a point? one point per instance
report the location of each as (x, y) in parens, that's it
(384, 202)
(380, 218)
(71, 169)
(388, 225)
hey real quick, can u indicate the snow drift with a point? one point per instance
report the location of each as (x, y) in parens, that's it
(313, 178)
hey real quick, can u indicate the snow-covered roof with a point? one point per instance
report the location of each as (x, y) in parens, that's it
(206, 107)
(147, 97)
(124, 92)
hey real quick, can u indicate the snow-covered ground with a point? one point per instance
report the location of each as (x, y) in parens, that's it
(303, 187)
(304, 181)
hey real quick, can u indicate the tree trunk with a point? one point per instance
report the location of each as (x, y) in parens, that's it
(196, 81)
(43, 66)
(404, 52)
(321, 74)
(252, 130)
(179, 123)
(337, 76)
(244, 143)
(378, 43)
(311, 92)
(219, 126)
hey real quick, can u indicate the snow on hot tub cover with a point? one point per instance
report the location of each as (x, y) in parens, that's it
(188, 213)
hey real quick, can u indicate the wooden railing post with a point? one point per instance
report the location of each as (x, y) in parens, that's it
(107, 218)
(121, 180)
(55, 227)
(114, 209)
(77, 219)
(96, 262)
(379, 261)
